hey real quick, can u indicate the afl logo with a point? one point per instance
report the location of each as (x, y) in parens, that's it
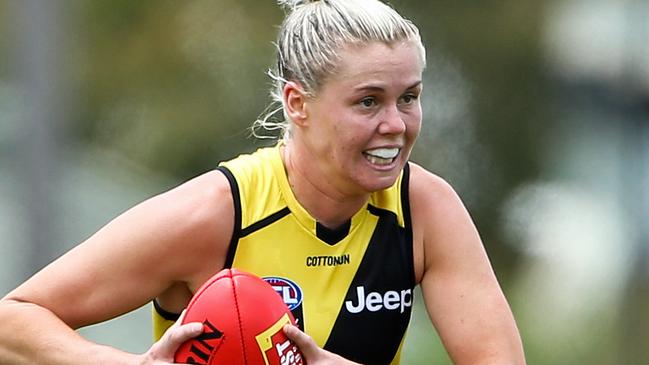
(287, 289)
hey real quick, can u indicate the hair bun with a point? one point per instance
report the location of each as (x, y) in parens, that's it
(293, 4)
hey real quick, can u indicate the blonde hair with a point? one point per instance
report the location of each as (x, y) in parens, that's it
(309, 40)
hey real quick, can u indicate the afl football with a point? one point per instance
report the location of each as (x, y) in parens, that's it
(242, 320)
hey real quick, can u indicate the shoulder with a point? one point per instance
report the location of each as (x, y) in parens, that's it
(197, 220)
(429, 192)
(434, 201)
(196, 201)
(205, 191)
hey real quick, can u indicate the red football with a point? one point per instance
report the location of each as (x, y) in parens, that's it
(242, 320)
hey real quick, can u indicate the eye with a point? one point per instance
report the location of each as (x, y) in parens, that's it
(409, 98)
(368, 102)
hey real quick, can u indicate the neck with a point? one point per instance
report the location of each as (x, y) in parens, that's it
(317, 192)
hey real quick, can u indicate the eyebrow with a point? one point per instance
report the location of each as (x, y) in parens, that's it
(372, 87)
(417, 83)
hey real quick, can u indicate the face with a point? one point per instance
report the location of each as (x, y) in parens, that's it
(360, 127)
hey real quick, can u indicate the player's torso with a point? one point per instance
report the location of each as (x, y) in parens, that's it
(350, 289)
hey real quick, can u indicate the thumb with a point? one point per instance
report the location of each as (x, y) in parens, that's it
(176, 335)
(304, 342)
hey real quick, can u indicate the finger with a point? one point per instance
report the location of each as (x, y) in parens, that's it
(177, 335)
(303, 341)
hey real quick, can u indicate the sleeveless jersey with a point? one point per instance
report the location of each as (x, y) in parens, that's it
(351, 288)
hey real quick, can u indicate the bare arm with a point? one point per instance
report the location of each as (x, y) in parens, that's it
(461, 292)
(177, 238)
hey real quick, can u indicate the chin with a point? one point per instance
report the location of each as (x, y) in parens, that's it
(379, 183)
(370, 179)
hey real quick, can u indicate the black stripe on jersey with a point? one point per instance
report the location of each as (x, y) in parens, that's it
(265, 222)
(405, 207)
(376, 311)
(332, 236)
(169, 316)
(236, 200)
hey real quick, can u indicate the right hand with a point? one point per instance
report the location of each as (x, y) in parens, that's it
(162, 352)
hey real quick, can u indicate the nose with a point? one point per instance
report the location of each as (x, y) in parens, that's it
(392, 121)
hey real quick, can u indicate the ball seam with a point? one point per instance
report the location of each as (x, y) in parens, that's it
(236, 305)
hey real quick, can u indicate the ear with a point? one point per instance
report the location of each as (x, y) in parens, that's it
(295, 102)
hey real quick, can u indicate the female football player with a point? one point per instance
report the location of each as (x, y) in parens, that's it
(335, 210)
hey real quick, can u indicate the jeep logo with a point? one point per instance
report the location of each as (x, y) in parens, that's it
(374, 301)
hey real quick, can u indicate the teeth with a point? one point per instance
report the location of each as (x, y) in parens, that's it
(377, 160)
(383, 152)
(381, 156)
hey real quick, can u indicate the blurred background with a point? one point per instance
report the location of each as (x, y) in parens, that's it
(537, 112)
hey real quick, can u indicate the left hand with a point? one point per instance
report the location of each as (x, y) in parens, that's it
(162, 352)
(313, 355)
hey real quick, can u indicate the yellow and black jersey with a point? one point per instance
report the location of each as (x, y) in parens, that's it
(350, 288)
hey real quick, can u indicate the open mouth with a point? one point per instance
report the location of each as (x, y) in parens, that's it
(381, 156)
